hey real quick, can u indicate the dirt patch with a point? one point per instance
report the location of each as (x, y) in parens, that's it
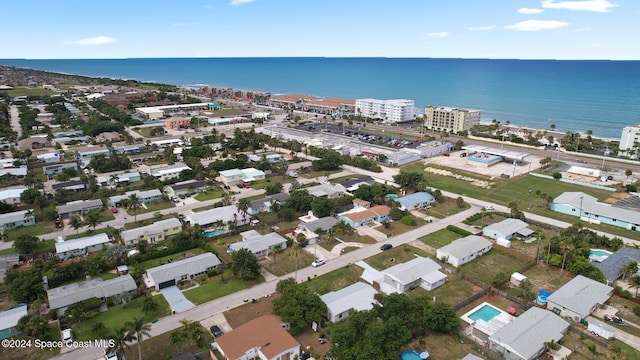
(475, 182)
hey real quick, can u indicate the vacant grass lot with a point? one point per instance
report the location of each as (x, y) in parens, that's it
(397, 227)
(147, 131)
(52, 332)
(160, 347)
(154, 206)
(454, 290)
(548, 278)
(440, 238)
(446, 208)
(116, 317)
(175, 257)
(209, 195)
(85, 234)
(219, 286)
(336, 279)
(33, 230)
(488, 265)
(329, 244)
(287, 261)
(400, 254)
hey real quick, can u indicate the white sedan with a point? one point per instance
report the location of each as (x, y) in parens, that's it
(318, 262)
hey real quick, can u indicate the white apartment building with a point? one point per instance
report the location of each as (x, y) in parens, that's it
(390, 111)
(630, 137)
(450, 119)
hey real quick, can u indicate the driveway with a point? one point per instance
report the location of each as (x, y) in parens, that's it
(176, 299)
(369, 231)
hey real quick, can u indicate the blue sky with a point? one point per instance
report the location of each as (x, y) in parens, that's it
(525, 29)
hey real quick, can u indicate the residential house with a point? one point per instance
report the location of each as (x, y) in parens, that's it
(33, 142)
(260, 245)
(108, 136)
(70, 186)
(355, 297)
(309, 226)
(169, 172)
(354, 184)
(328, 190)
(359, 216)
(64, 296)
(578, 298)
(524, 338)
(119, 179)
(421, 271)
(122, 148)
(225, 214)
(272, 158)
(52, 170)
(50, 158)
(84, 155)
(613, 265)
(14, 219)
(260, 338)
(165, 143)
(12, 196)
(82, 246)
(9, 321)
(419, 200)
(185, 188)
(361, 203)
(265, 204)
(145, 196)
(239, 176)
(588, 209)
(462, 251)
(8, 262)
(170, 274)
(153, 233)
(507, 229)
(78, 208)
(14, 171)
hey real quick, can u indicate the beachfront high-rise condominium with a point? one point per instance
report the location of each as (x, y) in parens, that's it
(449, 119)
(389, 111)
(630, 141)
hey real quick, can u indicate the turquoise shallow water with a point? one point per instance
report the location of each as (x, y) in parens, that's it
(602, 96)
(485, 313)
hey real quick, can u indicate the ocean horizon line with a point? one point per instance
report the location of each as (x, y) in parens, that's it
(319, 57)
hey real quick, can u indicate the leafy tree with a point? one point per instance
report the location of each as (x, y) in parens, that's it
(26, 244)
(138, 329)
(299, 306)
(409, 220)
(500, 280)
(396, 214)
(321, 206)
(25, 285)
(31, 196)
(32, 325)
(409, 180)
(245, 264)
(582, 266)
(92, 218)
(440, 317)
(330, 161)
(283, 284)
(628, 172)
(76, 223)
(273, 188)
(300, 201)
(557, 175)
(526, 290)
(98, 328)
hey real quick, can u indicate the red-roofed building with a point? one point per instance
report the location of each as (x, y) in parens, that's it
(360, 216)
(261, 338)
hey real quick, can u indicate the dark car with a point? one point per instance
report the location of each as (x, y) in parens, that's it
(386, 247)
(215, 330)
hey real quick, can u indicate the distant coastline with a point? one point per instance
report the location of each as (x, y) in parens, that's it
(576, 96)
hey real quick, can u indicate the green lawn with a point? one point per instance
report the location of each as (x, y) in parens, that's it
(454, 290)
(319, 174)
(488, 265)
(335, 280)
(106, 215)
(141, 223)
(165, 259)
(160, 347)
(154, 206)
(209, 195)
(33, 230)
(287, 261)
(86, 233)
(146, 131)
(397, 227)
(440, 238)
(116, 317)
(26, 91)
(400, 254)
(44, 246)
(217, 287)
(446, 208)
(262, 184)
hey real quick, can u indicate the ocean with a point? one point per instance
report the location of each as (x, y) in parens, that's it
(601, 96)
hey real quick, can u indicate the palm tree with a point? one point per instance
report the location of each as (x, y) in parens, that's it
(178, 338)
(243, 205)
(138, 329)
(92, 218)
(149, 306)
(76, 223)
(635, 281)
(135, 203)
(98, 328)
(121, 339)
(28, 216)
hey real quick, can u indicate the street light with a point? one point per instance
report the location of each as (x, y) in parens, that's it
(581, 197)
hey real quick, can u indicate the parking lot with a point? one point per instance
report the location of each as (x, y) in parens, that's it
(361, 134)
(454, 160)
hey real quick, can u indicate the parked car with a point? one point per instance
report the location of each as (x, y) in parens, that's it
(386, 247)
(114, 210)
(489, 207)
(111, 355)
(215, 330)
(613, 319)
(67, 335)
(318, 262)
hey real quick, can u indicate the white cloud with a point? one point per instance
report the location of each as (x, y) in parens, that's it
(530, 11)
(240, 2)
(442, 34)
(536, 25)
(98, 40)
(585, 5)
(481, 28)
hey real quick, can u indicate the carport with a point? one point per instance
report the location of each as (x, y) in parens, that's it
(176, 299)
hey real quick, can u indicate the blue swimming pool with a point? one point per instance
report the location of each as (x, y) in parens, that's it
(215, 232)
(599, 255)
(409, 355)
(486, 313)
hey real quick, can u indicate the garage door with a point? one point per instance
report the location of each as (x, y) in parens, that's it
(167, 284)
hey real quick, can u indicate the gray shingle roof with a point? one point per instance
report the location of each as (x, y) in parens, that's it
(189, 266)
(325, 223)
(612, 266)
(591, 205)
(466, 246)
(12, 217)
(82, 243)
(527, 333)
(96, 288)
(358, 296)
(78, 206)
(508, 226)
(413, 270)
(581, 294)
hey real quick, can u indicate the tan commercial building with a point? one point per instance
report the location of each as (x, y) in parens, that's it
(450, 119)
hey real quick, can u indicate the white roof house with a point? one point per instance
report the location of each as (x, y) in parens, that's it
(79, 207)
(67, 295)
(12, 196)
(168, 172)
(81, 246)
(524, 338)
(144, 196)
(14, 219)
(225, 213)
(507, 229)
(327, 189)
(169, 274)
(152, 232)
(260, 245)
(423, 272)
(9, 320)
(462, 251)
(578, 298)
(355, 297)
